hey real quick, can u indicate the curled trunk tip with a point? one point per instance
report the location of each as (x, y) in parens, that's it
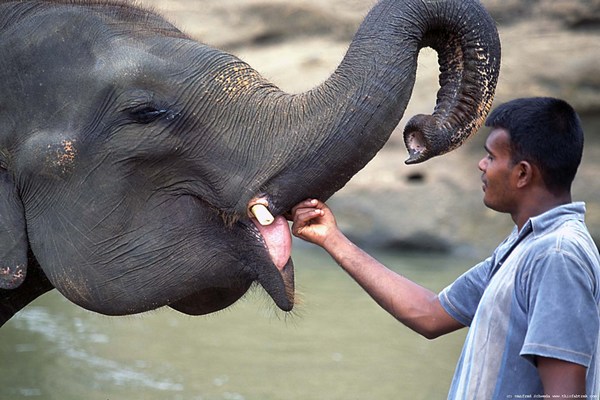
(469, 57)
(417, 134)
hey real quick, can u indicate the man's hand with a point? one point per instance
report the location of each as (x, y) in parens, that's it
(313, 222)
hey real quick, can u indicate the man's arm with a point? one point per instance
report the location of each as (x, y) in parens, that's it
(415, 306)
(561, 377)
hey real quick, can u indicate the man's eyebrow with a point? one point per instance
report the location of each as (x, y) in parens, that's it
(487, 149)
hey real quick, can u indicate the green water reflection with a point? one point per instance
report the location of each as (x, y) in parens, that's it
(338, 345)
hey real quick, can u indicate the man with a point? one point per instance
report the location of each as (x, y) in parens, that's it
(533, 305)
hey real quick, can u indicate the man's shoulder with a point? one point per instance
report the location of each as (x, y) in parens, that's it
(563, 229)
(571, 236)
(561, 254)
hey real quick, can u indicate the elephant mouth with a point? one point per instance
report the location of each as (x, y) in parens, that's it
(275, 235)
(278, 241)
(272, 268)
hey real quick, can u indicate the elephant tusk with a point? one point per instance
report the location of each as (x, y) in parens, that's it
(262, 214)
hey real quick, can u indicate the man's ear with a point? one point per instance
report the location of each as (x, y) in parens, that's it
(524, 171)
(13, 235)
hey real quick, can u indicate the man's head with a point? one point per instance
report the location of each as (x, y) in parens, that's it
(533, 152)
(545, 132)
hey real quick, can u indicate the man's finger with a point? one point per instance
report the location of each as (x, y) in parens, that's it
(308, 203)
(304, 215)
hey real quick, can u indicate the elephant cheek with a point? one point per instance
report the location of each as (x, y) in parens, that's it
(210, 300)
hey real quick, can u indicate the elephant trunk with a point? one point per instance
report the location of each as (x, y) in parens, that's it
(347, 120)
(469, 57)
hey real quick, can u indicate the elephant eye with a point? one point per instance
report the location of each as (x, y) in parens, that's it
(147, 114)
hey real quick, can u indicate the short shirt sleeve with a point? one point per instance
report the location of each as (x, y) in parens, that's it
(563, 322)
(462, 297)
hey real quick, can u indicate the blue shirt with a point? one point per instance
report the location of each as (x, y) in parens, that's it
(542, 300)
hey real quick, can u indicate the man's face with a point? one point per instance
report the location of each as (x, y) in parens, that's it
(498, 172)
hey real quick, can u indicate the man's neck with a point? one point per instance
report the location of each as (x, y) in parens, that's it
(538, 204)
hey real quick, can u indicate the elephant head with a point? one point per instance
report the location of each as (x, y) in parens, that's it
(131, 156)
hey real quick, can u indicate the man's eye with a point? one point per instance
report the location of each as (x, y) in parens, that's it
(147, 114)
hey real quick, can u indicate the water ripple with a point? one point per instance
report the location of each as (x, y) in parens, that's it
(53, 329)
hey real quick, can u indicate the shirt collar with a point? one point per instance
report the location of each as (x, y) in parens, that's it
(555, 217)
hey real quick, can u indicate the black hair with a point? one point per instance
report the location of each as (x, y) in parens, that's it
(546, 132)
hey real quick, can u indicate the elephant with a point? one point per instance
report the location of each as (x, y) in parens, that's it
(140, 168)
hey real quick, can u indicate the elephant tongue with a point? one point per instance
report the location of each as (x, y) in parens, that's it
(278, 238)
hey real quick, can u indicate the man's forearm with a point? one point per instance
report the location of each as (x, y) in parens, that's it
(415, 306)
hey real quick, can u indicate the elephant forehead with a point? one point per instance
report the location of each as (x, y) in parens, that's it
(68, 45)
(125, 61)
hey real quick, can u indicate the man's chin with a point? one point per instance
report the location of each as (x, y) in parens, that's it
(489, 204)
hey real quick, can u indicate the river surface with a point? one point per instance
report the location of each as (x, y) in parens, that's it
(338, 344)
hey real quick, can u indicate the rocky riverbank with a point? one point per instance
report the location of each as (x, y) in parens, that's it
(550, 48)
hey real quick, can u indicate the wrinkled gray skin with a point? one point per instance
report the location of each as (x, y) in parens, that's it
(130, 153)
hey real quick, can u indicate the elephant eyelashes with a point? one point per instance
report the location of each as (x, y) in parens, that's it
(148, 114)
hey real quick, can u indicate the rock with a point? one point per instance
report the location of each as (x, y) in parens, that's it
(509, 11)
(574, 14)
(551, 62)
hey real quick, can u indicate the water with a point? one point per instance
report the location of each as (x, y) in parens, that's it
(338, 344)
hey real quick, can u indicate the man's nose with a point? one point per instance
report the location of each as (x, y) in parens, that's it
(482, 165)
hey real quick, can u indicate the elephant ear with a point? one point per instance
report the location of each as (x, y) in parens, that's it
(13, 236)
